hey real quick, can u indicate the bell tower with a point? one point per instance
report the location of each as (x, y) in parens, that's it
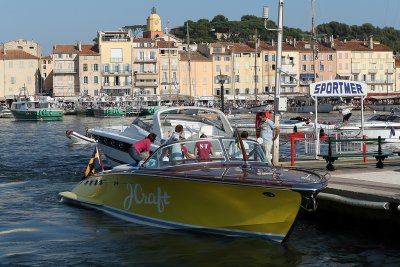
(153, 25)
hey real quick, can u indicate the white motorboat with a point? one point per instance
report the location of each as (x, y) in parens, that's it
(5, 112)
(79, 138)
(115, 141)
(386, 126)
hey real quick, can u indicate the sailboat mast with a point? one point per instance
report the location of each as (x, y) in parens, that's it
(255, 70)
(189, 66)
(313, 40)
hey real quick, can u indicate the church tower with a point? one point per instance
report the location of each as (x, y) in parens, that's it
(153, 25)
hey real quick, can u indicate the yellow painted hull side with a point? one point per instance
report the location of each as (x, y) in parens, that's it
(228, 208)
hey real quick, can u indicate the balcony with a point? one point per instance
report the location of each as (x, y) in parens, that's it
(116, 60)
(117, 73)
(113, 86)
(355, 70)
(372, 71)
(389, 71)
(64, 71)
(146, 84)
(146, 75)
(145, 59)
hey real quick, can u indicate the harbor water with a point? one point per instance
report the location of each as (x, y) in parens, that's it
(36, 229)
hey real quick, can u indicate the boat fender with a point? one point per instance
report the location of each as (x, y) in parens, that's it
(29, 105)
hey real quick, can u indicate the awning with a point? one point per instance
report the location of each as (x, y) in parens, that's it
(307, 76)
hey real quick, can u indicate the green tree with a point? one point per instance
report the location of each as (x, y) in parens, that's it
(135, 29)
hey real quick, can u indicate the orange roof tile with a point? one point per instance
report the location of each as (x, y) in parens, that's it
(87, 49)
(16, 54)
(194, 56)
(164, 44)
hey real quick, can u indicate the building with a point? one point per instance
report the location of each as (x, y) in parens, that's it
(18, 69)
(372, 63)
(89, 69)
(145, 66)
(195, 80)
(168, 63)
(115, 48)
(46, 71)
(153, 28)
(397, 65)
(30, 47)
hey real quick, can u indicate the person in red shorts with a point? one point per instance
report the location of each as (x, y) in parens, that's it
(203, 149)
(141, 146)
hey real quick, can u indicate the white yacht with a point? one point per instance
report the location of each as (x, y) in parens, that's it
(115, 141)
(384, 125)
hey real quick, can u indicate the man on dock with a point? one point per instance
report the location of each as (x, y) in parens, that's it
(268, 133)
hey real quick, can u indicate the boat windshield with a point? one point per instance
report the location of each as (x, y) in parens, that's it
(390, 117)
(141, 124)
(203, 151)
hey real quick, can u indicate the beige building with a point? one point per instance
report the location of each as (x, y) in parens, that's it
(18, 69)
(372, 63)
(27, 46)
(195, 81)
(168, 63)
(145, 66)
(397, 71)
(89, 69)
(115, 48)
(66, 71)
(46, 71)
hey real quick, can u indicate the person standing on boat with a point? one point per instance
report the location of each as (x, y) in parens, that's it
(268, 133)
(203, 149)
(176, 151)
(141, 146)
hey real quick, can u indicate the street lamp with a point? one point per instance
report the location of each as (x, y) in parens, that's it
(221, 79)
(275, 156)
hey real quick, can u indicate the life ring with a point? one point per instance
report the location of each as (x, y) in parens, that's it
(29, 105)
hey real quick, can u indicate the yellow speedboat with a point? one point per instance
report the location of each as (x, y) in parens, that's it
(224, 192)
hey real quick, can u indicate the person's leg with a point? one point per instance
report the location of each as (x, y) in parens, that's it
(268, 148)
(134, 154)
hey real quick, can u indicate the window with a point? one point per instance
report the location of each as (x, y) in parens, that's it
(13, 80)
(217, 58)
(227, 59)
(237, 78)
(85, 79)
(44, 67)
(44, 61)
(304, 67)
(266, 57)
(372, 77)
(96, 79)
(355, 77)
(364, 77)
(95, 67)
(304, 57)
(106, 68)
(141, 67)
(116, 55)
(218, 68)
(330, 57)
(272, 57)
(321, 67)
(85, 67)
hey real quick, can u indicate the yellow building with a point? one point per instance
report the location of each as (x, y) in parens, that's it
(89, 69)
(18, 69)
(46, 71)
(372, 63)
(195, 81)
(115, 48)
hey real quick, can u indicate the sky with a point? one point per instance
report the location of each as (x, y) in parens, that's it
(50, 22)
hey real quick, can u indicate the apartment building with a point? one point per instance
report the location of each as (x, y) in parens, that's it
(65, 72)
(46, 71)
(397, 74)
(372, 63)
(18, 69)
(168, 63)
(145, 66)
(115, 48)
(195, 81)
(89, 69)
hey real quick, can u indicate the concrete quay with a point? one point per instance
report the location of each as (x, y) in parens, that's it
(360, 189)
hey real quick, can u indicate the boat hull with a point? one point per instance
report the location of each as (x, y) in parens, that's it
(109, 113)
(183, 203)
(38, 115)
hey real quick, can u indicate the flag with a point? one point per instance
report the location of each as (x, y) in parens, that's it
(95, 163)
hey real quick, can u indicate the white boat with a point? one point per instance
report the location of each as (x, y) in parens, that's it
(301, 124)
(5, 112)
(115, 141)
(79, 138)
(384, 125)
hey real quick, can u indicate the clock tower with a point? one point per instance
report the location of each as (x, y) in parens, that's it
(153, 25)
